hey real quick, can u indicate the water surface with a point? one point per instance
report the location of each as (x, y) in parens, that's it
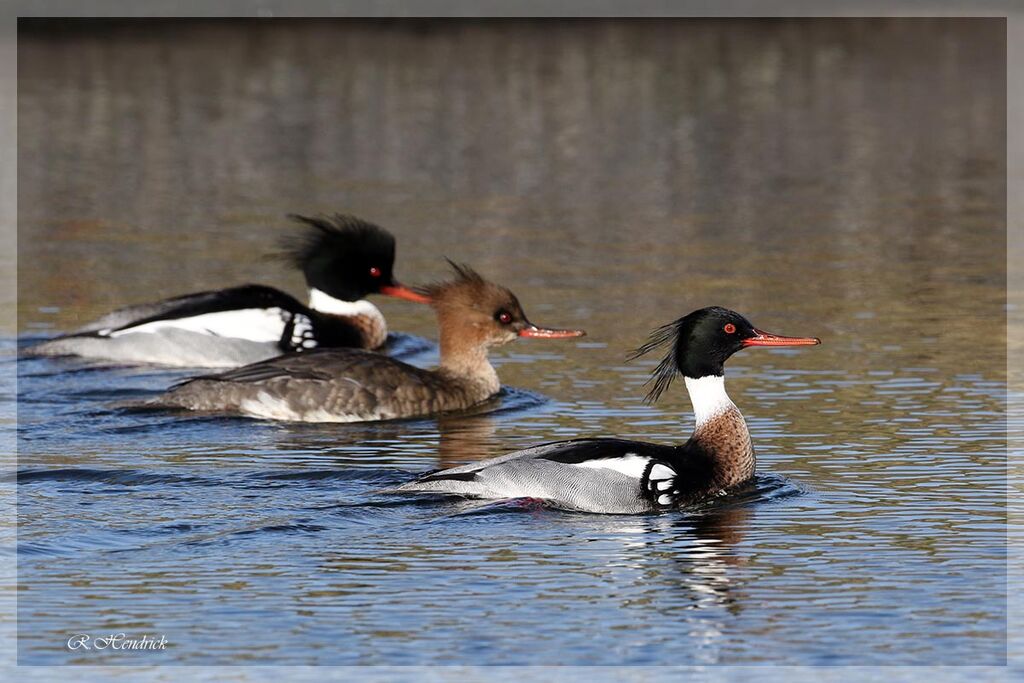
(838, 179)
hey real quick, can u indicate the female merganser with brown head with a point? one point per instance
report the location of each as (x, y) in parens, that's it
(617, 476)
(343, 258)
(351, 385)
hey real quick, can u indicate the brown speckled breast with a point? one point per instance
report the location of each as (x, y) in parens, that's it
(372, 328)
(726, 440)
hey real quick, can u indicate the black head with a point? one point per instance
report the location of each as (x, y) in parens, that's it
(345, 257)
(701, 342)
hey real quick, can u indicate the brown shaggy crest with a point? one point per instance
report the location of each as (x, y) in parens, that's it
(469, 289)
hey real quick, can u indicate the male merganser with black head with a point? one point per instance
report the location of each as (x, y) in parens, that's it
(343, 258)
(350, 385)
(617, 476)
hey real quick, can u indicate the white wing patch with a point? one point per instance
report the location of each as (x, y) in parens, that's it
(630, 464)
(660, 482)
(303, 336)
(254, 324)
(661, 472)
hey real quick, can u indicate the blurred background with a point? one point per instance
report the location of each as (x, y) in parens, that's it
(621, 167)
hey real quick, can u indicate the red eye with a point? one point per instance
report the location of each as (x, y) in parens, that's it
(374, 271)
(504, 318)
(729, 328)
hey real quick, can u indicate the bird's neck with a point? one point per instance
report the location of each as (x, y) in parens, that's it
(465, 358)
(362, 314)
(721, 432)
(708, 397)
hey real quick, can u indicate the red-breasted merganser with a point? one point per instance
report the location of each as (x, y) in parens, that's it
(617, 476)
(350, 385)
(343, 258)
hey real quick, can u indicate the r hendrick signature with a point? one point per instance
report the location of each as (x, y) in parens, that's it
(116, 641)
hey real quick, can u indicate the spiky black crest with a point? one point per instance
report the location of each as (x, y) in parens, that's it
(331, 234)
(344, 256)
(661, 379)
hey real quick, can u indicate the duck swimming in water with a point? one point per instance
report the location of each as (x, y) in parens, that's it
(617, 476)
(352, 385)
(343, 258)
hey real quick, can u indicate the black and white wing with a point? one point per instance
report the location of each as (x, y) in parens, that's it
(594, 475)
(253, 312)
(190, 305)
(223, 328)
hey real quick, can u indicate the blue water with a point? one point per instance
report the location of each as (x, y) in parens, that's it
(247, 541)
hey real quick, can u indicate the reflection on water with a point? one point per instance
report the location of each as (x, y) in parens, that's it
(843, 179)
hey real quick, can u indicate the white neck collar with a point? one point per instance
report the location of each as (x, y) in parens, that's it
(325, 303)
(707, 394)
